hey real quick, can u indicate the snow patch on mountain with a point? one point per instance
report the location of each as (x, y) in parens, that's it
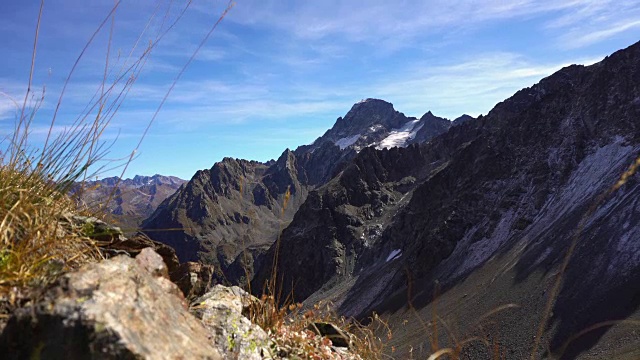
(400, 137)
(347, 141)
(394, 255)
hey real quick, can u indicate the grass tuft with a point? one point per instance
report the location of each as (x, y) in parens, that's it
(296, 331)
(36, 241)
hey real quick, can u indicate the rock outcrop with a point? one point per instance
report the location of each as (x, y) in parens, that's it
(224, 311)
(121, 308)
(194, 279)
(125, 308)
(112, 241)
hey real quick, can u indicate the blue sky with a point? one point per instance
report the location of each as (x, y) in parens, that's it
(277, 74)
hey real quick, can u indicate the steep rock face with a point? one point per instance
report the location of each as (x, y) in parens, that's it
(235, 205)
(429, 127)
(132, 200)
(374, 122)
(371, 122)
(506, 190)
(318, 164)
(336, 231)
(220, 211)
(364, 123)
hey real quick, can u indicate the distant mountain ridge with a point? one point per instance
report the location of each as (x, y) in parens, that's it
(133, 200)
(140, 180)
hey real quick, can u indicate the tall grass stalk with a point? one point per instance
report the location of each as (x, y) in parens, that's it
(37, 238)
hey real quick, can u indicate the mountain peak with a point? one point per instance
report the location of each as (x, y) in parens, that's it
(370, 101)
(427, 116)
(370, 104)
(286, 158)
(462, 119)
(364, 115)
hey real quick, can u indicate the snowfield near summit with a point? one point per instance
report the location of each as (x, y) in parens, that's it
(400, 137)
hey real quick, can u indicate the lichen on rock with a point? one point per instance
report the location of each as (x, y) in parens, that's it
(222, 311)
(115, 309)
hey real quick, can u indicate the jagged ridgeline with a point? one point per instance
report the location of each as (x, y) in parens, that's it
(240, 205)
(130, 200)
(385, 212)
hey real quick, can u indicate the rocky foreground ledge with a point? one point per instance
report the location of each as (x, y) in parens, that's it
(134, 306)
(127, 308)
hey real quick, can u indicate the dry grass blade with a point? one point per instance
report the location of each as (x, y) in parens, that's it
(230, 5)
(35, 243)
(73, 68)
(19, 143)
(495, 311)
(441, 352)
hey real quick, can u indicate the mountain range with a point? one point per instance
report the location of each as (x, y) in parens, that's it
(128, 201)
(242, 205)
(472, 227)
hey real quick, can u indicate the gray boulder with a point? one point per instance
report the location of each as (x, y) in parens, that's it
(121, 308)
(222, 310)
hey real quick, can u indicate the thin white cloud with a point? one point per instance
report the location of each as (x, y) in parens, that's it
(600, 35)
(12, 98)
(395, 25)
(229, 112)
(471, 87)
(180, 52)
(211, 54)
(8, 108)
(593, 21)
(196, 93)
(276, 135)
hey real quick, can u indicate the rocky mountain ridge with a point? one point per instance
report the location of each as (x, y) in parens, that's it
(128, 201)
(498, 199)
(240, 204)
